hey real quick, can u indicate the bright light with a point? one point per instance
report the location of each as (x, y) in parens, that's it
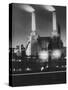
(56, 54)
(15, 51)
(42, 68)
(43, 55)
(28, 69)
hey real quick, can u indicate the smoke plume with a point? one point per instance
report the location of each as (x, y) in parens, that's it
(49, 8)
(27, 8)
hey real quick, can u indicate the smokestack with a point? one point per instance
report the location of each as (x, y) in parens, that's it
(59, 29)
(59, 33)
(52, 9)
(33, 22)
(55, 31)
(54, 21)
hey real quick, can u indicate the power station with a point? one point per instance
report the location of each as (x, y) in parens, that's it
(41, 53)
(40, 59)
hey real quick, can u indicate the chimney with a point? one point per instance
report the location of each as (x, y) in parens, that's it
(54, 21)
(59, 30)
(55, 32)
(33, 22)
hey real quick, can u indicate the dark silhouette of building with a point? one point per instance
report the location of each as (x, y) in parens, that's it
(23, 54)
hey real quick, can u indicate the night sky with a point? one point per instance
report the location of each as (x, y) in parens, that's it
(21, 23)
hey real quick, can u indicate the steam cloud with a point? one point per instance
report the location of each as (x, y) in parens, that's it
(49, 8)
(27, 8)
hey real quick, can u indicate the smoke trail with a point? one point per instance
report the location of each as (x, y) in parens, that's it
(49, 8)
(27, 8)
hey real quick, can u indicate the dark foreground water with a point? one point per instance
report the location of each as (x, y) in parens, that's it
(42, 78)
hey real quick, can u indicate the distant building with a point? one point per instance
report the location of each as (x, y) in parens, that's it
(22, 51)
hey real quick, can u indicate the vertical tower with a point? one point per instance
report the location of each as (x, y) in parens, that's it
(59, 33)
(22, 51)
(55, 31)
(56, 42)
(33, 22)
(33, 36)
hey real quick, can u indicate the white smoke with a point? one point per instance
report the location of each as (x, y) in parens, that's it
(27, 8)
(49, 8)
